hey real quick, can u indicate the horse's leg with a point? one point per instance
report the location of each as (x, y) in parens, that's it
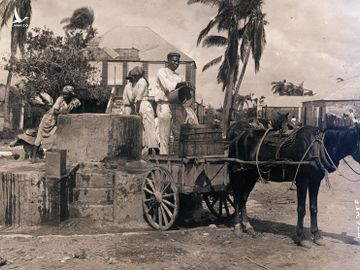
(237, 227)
(246, 189)
(313, 194)
(301, 188)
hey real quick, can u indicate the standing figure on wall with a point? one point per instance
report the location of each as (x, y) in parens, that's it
(143, 107)
(128, 99)
(166, 81)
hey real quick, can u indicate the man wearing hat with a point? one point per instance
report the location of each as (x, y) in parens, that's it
(166, 81)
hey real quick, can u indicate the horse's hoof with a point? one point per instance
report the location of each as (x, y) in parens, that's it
(318, 240)
(301, 241)
(237, 230)
(250, 231)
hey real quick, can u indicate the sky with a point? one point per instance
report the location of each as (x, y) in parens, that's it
(307, 41)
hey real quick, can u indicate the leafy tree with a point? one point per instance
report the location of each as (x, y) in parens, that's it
(284, 88)
(50, 61)
(243, 22)
(18, 37)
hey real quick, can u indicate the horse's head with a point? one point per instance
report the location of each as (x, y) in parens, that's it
(356, 153)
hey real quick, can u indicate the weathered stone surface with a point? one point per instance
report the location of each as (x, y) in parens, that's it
(27, 197)
(95, 137)
(94, 195)
(104, 212)
(128, 197)
(94, 178)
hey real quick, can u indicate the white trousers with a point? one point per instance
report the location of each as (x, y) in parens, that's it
(164, 121)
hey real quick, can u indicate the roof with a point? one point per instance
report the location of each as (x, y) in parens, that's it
(286, 101)
(151, 46)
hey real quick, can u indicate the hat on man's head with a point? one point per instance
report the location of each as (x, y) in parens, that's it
(135, 72)
(171, 54)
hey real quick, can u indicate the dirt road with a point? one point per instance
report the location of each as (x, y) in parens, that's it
(203, 244)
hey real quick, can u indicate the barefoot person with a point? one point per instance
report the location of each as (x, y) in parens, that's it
(48, 125)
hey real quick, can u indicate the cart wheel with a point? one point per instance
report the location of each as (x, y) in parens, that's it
(160, 198)
(220, 203)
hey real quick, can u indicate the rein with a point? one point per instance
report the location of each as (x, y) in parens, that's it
(338, 171)
(350, 167)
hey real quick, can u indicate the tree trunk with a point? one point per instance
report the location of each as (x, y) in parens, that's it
(13, 46)
(228, 98)
(243, 69)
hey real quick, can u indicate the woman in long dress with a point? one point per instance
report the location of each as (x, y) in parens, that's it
(143, 107)
(48, 125)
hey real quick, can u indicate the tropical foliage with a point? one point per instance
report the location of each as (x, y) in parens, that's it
(81, 21)
(18, 37)
(243, 23)
(50, 61)
(284, 88)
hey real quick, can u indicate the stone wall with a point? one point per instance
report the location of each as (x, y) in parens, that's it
(95, 137)
(27, 197)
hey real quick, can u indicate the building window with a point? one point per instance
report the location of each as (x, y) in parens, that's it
(96, 75)
(115, 73)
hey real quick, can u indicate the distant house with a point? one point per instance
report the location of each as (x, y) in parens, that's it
(117, 51)
(283, 104)
(333, 110)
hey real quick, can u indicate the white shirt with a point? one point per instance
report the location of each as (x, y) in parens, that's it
(128, 94)
(166, 79)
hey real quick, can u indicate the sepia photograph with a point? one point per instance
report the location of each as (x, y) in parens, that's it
(180, 134)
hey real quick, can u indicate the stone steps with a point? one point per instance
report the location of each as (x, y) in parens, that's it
(93, 194)
(94, 179)
(104, 212)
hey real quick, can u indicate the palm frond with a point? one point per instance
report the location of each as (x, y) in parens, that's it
(205, 2)
(81, 18)
(212, 63)
(206, 30)
(6, 11)
(213, 40)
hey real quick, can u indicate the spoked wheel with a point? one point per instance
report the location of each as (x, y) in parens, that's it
(220, 203)
(160, 198)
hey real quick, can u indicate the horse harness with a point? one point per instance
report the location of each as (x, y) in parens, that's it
(322, 158)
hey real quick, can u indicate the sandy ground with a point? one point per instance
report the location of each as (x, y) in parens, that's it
(203, 243)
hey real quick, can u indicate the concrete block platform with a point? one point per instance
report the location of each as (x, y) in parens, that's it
(109, 192)
(93, 137)
(27, 196)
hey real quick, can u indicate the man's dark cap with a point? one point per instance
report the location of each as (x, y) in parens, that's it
(171, 54)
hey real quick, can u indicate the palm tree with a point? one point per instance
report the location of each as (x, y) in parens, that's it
(18, 38)
(81, 20)
(230, 16)
(253, 41)
(284, 88)
(279, 87)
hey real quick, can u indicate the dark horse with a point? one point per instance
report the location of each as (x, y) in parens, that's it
(321, 150)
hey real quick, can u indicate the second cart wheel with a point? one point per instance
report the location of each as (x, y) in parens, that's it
(220, 203)
(160, 198)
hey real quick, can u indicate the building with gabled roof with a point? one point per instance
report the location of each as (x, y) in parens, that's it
(333, 109)
(117, 51)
